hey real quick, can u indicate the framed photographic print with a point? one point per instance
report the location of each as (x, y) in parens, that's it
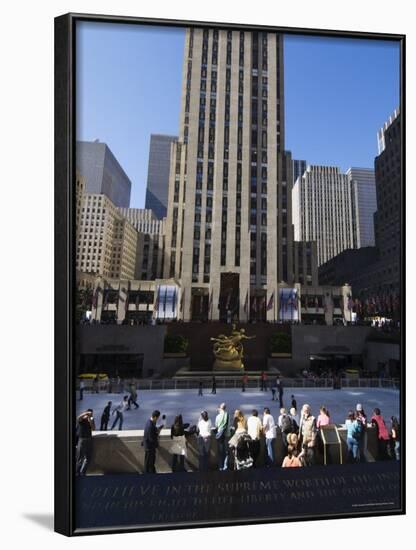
(229, 274)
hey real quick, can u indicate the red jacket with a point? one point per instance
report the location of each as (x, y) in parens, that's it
(383, 432)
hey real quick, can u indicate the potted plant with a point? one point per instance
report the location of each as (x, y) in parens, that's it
(281, 345)
(175, 345)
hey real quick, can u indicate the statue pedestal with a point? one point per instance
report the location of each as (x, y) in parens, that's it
(234, 365)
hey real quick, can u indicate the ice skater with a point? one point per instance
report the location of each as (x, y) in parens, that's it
(105, 417)
(279, 385)
(133, 397)
(118, 411)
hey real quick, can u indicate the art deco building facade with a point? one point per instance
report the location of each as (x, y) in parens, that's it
(150, 255)
(388, 216)
(107, 242)
(323, 211)
(229, 228)
(305, 265)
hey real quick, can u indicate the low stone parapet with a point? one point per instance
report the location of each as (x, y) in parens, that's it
(122, 451)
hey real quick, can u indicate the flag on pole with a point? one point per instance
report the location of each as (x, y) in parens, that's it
(227, 304)
(119, 296)
(174, 300)
(105, 301)
(126, 302)
(164, 301)
(246, 303)
(270, 305)
(95, 297)
(138, 300)
(182, 300)
(156, 308)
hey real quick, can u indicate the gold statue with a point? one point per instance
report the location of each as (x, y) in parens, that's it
(228, 350)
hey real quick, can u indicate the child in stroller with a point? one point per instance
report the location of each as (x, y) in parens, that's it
(243, 457)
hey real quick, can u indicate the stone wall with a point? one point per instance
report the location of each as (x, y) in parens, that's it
(114, 339)
(122, 452)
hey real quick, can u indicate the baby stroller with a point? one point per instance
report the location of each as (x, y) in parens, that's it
(243, 458)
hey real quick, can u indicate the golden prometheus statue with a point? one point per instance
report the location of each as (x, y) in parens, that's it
(228, 350)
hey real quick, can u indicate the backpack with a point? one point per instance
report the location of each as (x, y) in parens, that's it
(357, 429)
(286, 424)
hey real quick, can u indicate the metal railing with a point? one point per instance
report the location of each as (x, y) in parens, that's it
(187, 383)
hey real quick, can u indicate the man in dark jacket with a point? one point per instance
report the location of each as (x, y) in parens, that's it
(151, 443)
(279, 386)
(86, 426)
(105, 417)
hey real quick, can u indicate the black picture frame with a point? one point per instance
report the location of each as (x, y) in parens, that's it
(65, 120)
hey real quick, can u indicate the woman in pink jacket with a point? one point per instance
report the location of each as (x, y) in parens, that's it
(382, 434)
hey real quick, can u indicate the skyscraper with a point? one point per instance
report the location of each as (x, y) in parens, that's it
(323, 211)
(364, 204)
(299, 167)
(158, 174)
(229, 229)
(102, 172)
(388, 216)
(106, 241)
(150, 242)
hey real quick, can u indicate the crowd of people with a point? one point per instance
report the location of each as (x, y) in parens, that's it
(238, 439)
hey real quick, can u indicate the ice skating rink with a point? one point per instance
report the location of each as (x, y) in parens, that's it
(190, 405)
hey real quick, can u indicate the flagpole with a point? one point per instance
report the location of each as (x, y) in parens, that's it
(164, 303)
(274, 308)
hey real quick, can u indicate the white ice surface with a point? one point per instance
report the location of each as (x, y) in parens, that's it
(189, 404)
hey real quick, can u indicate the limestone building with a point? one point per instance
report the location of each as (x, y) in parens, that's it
(322, 203)
(229, 236)
(388, 216)
(305, 264)
(150, 255)
(107, 242)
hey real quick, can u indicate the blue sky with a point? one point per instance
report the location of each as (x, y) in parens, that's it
(338, 92)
